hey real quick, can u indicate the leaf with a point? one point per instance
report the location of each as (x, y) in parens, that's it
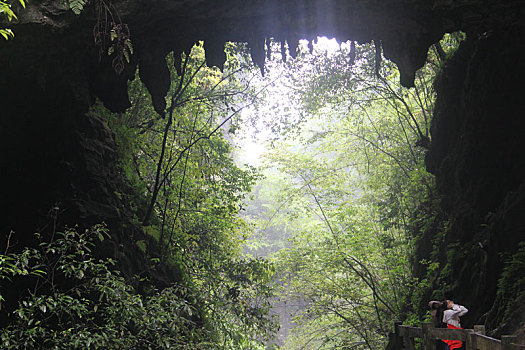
(6, 33)
(6, 10)
(77, 6)
(111, 49)
(129, 45)
(76, 9)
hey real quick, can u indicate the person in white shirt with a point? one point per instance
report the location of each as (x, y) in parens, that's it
(451, 317)
(452, 313)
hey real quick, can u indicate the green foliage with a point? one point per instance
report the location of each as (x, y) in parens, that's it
(352, 192)
(222, 299)
(77, 5)
(152, 231)
(11, 266)
(512, 281)
(82, 303)
(351, 185)
(119, 46)
(142, 245)
(7, 11)
(189, 191)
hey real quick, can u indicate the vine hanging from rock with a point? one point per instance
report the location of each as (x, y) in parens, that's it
(111, 35)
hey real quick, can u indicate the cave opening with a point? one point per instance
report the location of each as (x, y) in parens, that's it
(72, 147)
(343, 172)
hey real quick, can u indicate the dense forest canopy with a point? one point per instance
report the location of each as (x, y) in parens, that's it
(346, 185)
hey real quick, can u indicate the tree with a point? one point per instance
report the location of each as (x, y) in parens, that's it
(186, 196)
(356, 181)
(182, 161)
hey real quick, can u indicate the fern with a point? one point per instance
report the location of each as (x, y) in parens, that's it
(77, 5)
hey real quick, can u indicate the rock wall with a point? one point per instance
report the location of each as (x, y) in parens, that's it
(478, 157)
(58, 163)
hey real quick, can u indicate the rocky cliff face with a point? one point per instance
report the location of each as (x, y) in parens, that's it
(478, 157)
(54, 153)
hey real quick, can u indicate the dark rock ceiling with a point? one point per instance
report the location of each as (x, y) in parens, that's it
(406, 29)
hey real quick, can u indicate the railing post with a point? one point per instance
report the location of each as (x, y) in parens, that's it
(479, 328)
(397, 337)
(506, 341)
(408, 342)
(469, 344)
(474, 341)
(428, 340)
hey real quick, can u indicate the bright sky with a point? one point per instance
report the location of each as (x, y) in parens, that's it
(251, 145)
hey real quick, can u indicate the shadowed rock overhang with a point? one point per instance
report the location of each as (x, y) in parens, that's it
(405, 29)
